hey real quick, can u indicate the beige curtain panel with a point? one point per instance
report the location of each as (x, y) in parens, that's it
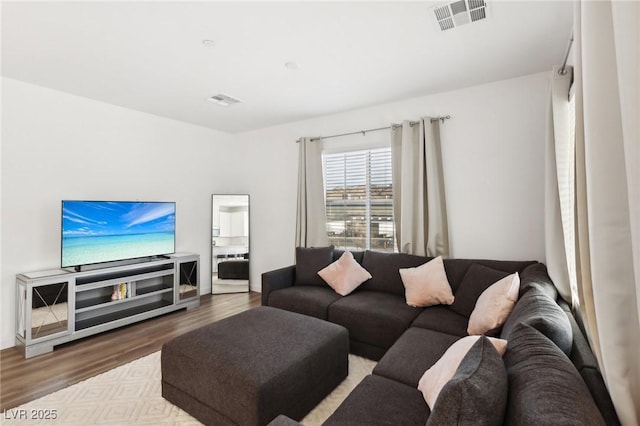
(607, 51)
(311, 221)
(419, 204)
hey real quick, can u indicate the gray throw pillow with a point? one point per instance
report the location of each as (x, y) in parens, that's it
(477, 393)
(310, 260)
(544, 386)
(477, 279)
(535, 277)
(545, 315)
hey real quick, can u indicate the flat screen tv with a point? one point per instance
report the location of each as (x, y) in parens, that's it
(107, 231)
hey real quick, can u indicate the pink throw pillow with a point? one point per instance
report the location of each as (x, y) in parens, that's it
(436, 377)
(494, 305)
(427, 284)
(345, 274)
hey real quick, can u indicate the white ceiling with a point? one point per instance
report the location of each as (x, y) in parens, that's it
(149, 56)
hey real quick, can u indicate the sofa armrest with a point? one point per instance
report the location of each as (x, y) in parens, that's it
(587, 365)
(276, 280)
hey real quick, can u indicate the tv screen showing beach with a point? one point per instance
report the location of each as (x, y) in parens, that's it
(106, 231)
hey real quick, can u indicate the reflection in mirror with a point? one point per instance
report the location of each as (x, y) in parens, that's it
(229, 243)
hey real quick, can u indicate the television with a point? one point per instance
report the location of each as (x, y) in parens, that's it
(107, 231)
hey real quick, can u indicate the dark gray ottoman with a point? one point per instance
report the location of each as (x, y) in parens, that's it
(249, 368)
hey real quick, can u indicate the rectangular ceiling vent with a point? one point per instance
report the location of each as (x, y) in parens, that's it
(461, 12)
(224, 100)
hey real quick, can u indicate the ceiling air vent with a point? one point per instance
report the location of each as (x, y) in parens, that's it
(224, 100)
(461, 12)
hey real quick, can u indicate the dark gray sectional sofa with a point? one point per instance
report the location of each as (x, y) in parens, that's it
(552, 375)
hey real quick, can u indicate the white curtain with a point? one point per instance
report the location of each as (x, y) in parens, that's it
(559, 186)
(311, 221)
(420, 212)
(607, 71)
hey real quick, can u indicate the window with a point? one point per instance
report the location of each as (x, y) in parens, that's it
(359, 199)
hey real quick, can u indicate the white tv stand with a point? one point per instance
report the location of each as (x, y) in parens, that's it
(59, 306)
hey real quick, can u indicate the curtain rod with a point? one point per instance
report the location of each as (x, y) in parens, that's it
(363, 132)
(562, 70)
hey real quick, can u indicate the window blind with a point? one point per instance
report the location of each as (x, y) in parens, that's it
(359, 199)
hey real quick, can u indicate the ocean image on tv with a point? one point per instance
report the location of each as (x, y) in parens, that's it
(95, 232)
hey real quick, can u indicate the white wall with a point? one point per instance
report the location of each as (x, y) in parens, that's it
(58, 146)
(493, 149)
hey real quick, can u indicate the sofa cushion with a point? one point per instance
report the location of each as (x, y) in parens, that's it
(427, 285)
(380, 401)
(477, 279)
(345, 274)
(544, 386)
(494, 306)
(385, 270)
(357, 255)
(477, 393)
(443, 319)
(412, 354)
(373, 317)
(543, 314)
(458, 268)
(307, 300)
(439, 374)
(310, 260)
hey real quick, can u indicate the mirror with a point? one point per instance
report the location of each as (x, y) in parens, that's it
(229, 243)
(49, 310)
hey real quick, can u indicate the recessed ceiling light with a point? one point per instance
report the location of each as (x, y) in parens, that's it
(292, 65)
(209, 43)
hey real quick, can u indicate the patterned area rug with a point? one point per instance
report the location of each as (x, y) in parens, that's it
(131, 395)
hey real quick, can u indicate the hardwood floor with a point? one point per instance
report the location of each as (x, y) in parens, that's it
(23, 380)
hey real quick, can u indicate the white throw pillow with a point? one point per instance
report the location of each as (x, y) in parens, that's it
(345, 274)
(434, 379)
(427, 284)
(494, 305)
